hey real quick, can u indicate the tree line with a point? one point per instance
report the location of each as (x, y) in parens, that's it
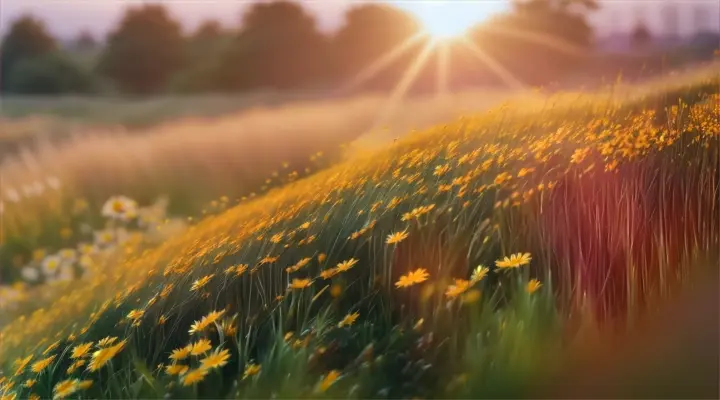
(277, 45)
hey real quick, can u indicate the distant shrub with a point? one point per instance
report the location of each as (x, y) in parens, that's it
(27, 38)
(52, 73)
(144, 51)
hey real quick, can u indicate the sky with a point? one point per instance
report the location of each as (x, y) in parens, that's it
(65, 18)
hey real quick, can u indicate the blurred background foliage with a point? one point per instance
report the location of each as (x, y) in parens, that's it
(278, 45)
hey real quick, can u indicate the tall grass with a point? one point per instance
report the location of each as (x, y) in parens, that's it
(198, 160)
(368, 278)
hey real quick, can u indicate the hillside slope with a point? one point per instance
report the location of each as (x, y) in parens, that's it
(457, 262)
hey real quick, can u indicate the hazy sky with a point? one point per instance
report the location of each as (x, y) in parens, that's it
(65, 18)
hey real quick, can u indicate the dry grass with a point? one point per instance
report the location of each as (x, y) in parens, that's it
(195, 160)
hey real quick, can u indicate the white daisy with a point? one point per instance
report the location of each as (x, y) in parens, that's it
(68, 256)
(87, 248)
(120, 207)
(104, 237)
(86, 261)
(30, 274)
(51, 265)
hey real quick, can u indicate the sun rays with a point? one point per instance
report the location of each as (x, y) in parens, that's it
(406, 81)
(507, 77)
(383, 62)
(441, 46)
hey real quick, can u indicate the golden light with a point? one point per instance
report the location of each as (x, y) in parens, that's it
(443, 29)
(449, 19)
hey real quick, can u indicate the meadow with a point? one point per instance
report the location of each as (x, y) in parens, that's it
(468, 259)
(193, 161)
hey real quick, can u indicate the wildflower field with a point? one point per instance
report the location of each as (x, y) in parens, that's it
(463, 261)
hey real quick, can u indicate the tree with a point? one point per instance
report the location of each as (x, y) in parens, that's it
(204, 66)
(279, 47)
(207, 31)
(85, 41)
(26, 39)
(50, 74)
(370, 32)
(564, 19)
(145, 50)
(641, 36)
(539, 40)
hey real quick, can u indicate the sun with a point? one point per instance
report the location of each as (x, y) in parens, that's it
(449, 19)
(443, 29)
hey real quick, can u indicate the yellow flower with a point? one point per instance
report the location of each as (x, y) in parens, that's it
(611, 166)
(396, 237)
(33, 396)
(479, 274)
(329, 379)
(206, 321)
(194, 376)
(181, 354)
(77, 364)
(525, 171)
(102, 356)
(29, 383)
(85, 384)
(299, 265)
(346, 265)
(166, 290)
(251, 370)
(198, 284)
(329, 273)
(441, 170)
(38, 255)
(300, 283)
(65, 233)
(240, 269)
(216, 359)
(39, 366)
(228, 327)
(348, 320)
(106, 341)
(335, 291)
(51, 347)
(533, 286)
(321, 257)
(579, 155)
(471, 296)
(135, 315)
(413, 277)
(200, 347)
(65, 388)
(21, 363)
(268, 260)
(7, 395)
(460, 286)
(502, 177)
(176, 369)
(514, 261)
(81, 350)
